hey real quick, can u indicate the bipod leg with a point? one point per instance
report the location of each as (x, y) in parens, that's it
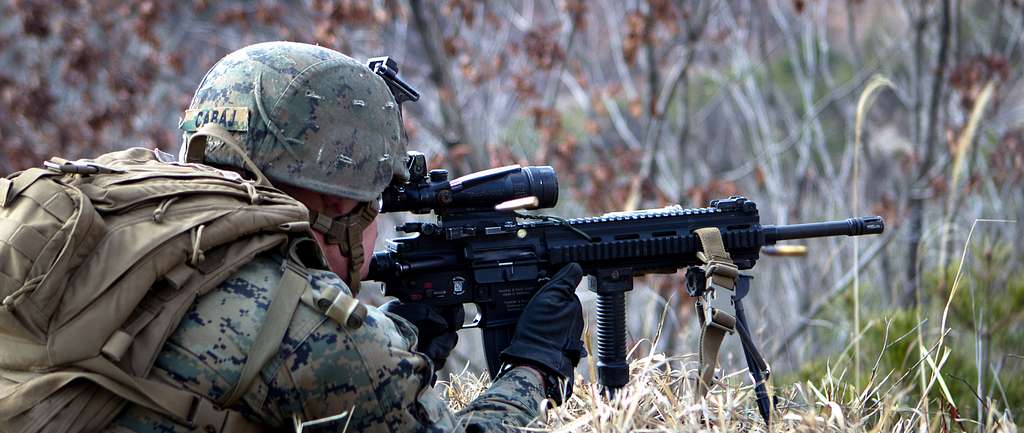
(759, 370)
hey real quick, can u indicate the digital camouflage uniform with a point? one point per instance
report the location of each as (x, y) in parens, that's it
(312, 118)
(322, 368)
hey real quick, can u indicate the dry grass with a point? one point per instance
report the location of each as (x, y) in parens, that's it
(659, 399)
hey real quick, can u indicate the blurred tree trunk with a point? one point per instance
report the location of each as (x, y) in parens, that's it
(851, 31)
(695, 25)
(653, 78)
(919, 183)
(453, 130)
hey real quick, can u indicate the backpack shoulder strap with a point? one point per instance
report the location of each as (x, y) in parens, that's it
(294, 282)
(294, 287)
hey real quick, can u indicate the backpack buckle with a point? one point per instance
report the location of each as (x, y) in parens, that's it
(79, 167)
(721, 274)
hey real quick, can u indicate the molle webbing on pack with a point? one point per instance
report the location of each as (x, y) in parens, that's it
(102, 259)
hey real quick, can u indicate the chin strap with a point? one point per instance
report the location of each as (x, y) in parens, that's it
(346, 232)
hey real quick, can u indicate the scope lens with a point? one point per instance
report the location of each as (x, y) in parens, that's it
(543, 184)
(382, 266)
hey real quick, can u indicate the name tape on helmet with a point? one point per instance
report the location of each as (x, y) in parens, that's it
(231, 118)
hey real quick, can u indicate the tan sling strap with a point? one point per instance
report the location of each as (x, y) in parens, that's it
(337, 305)
(11, 188)
(715, 311)
(293, 288)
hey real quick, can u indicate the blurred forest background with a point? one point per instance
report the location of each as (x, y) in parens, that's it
(645, 103)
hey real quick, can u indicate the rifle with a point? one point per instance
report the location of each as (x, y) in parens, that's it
(483, 250)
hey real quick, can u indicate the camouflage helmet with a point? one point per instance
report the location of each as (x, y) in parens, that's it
(308, 116)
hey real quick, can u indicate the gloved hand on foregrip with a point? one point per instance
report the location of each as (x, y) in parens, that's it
(548, 333)
(437, 327)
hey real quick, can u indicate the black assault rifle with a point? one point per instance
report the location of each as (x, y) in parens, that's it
(481, 250)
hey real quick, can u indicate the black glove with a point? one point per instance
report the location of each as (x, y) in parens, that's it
(436, 326)
(548, 332)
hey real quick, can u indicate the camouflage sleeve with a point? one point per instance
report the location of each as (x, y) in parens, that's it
(374, 374)
(511, 402)
(370, 373)
(368, 379)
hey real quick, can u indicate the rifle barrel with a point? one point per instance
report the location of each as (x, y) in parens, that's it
(849, 227)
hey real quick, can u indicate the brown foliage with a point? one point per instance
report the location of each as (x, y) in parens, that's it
(799, 6)
(465, 8)
(577, 9)
(522, 82)
(634, 36)
(969, 77)
(886, 208)
(87, 77)
(1007, 159)
(541, 45)
(701, 194)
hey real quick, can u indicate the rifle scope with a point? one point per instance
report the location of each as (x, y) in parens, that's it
(480, 191)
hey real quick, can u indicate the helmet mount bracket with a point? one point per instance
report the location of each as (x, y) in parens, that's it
(387, 68)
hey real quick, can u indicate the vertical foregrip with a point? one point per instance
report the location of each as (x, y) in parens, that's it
(612, 370)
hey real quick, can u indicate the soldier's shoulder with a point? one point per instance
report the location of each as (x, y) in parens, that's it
(327, 281)
(263, 270)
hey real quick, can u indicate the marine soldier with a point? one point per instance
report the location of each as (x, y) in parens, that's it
(327, 130)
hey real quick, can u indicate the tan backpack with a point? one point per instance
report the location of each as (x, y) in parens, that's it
(99, 261)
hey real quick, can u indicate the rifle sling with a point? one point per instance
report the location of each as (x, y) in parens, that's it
(715, 311)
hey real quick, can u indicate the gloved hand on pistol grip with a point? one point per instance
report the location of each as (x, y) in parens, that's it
(437, 327)
(548, 333)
